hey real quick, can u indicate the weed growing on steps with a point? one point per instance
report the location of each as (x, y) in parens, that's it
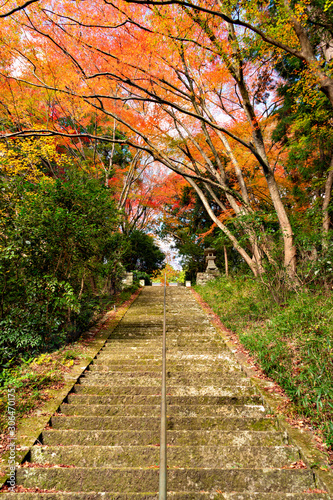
(293, 341)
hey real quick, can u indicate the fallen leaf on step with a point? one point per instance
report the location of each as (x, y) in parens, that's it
(296, 465)
(314, 491)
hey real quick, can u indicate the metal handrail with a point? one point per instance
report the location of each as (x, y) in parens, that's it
(163, 441)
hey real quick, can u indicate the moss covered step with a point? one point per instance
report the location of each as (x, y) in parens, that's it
(129, 480)
(118, 374)
(187, 401)
(181, 356)
(141, 351)
(205, 342)
(137, 379)
(119, 361)
(174, 378)
(155, 410)
(172, 340)
(173, 390)
(172, 495)
(194, 349)
(131, 356)
(143, 356)
(190, 342)
(131, 343)
(141, 423)
(152, 334)
(175, 365)
(178, 456)
(152, 437)
(127, 367)
(153, 364)
(128, 348)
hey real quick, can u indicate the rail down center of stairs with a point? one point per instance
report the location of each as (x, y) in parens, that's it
(103, 443)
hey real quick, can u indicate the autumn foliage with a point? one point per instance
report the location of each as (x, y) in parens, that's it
(191, 87)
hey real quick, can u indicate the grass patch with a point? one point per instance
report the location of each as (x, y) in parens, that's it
(292, 342)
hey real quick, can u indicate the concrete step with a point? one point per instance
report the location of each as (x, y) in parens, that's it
(187, 366)
(189, 346)
(141, 480)
(224, 457)
(155, 410)
(187, 401)
(172, 341)
(199, 495)
(173, 423)
(127, 362)
(143, 356)
(172, 390)
(173, 378)
(152, 437)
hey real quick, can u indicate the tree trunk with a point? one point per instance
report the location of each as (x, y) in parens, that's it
(287, 232)
(226, 265)
(252, 265)
(82, 286)
(327, 199)
(260, 151)
(93, 284)
(235, 65)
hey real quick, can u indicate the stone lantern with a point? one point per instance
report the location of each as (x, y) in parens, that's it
(210, 255)
(212, 271)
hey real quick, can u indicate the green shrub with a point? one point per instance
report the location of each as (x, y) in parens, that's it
(59, 248)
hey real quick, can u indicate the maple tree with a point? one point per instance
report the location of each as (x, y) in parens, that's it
(186, 221)
(15, 8)
(304, 130)
(201, 107)
(302, 29)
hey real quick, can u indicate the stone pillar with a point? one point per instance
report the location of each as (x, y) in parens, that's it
(127, 280)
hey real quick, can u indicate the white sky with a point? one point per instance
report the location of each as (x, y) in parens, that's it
(172, 255)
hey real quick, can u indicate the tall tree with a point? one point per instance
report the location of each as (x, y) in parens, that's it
(188, 106)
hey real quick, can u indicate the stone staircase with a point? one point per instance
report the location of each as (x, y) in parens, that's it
(104, 441)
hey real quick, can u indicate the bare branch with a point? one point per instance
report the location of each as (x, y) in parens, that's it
(19, 7)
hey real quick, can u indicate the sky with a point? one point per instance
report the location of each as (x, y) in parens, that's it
(166, 245)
